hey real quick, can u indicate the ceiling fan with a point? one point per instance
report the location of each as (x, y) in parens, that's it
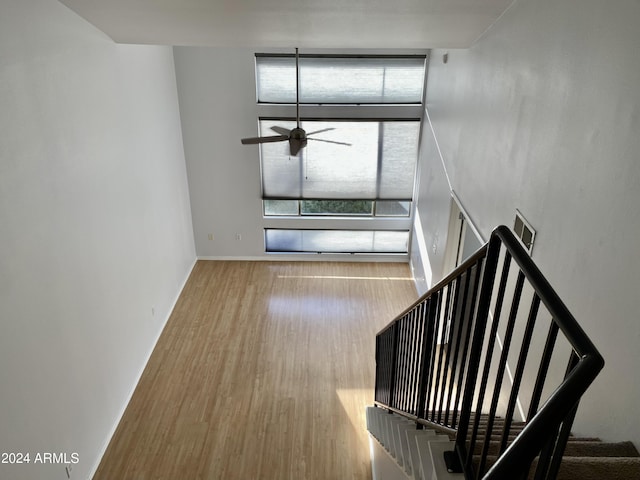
(296, 137)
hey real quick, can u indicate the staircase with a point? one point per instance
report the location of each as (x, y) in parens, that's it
(419, 453)
(482, 358)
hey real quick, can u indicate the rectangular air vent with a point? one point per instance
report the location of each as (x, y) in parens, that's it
(524, 231)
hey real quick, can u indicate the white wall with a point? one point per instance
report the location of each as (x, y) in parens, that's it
(543, 115)
(95, 229)
(433, 207)
(218, 107)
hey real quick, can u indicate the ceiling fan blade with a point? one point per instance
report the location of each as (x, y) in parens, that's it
(281, 130)
(329, 141)
(273, 138)
(320, 131)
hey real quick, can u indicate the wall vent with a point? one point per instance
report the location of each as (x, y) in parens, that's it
(524, 231)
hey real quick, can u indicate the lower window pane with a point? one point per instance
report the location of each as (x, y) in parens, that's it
(392, 208)
(280, 207)
(336, 207)
(367, 208)
(336, 241)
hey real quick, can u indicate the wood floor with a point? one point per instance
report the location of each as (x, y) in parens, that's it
(262, 372)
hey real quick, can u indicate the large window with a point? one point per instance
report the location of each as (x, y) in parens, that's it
(361, 186)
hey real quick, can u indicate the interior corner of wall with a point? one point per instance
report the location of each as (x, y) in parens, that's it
(423, 282)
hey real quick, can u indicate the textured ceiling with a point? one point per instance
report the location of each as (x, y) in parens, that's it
(286, 23)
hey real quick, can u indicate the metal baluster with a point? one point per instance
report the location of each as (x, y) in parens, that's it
(460, 323)
(501, 368)
(489, 355)
(446, 372)
(549, 345)
(467, 346)
(517, 378)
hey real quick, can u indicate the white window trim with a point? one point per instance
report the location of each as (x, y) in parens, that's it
(343, 111)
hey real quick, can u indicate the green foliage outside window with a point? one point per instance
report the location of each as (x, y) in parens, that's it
(336, 207)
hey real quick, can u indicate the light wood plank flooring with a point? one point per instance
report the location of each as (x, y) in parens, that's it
(262, 372)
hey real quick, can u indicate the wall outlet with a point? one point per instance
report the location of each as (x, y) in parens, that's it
(210, 236)
(238, 236)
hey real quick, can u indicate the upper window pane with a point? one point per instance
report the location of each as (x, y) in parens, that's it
(341, 80)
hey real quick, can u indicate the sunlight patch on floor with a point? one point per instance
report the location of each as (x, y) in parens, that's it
(354, 401)
(342, 277)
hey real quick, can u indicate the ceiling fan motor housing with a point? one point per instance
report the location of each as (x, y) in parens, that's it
(297, 134)
(297, 140)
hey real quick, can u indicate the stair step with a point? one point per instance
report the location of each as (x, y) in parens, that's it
(580, 449)
(599, 468)
(419, 442)
(498, 438)
(406, 432)
(434, 467)
(600, 449)
(397, 432)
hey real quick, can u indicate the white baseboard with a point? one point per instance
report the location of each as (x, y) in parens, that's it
(276, 257)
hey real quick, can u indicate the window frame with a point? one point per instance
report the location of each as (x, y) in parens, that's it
(338, 112)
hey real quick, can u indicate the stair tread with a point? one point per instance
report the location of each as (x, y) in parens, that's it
(597, 468)
(589, 468)
(601, 449)
(498, 437)
(580, 449)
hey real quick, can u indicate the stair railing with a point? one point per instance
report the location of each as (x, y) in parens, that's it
(477, 357)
